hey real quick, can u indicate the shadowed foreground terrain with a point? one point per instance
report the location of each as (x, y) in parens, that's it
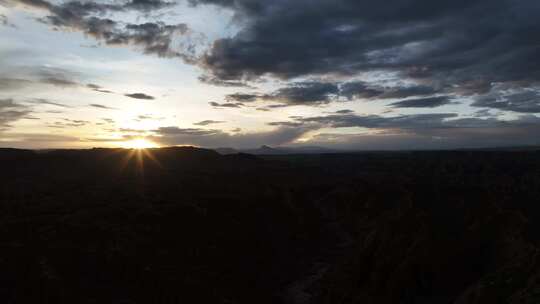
(186, 225)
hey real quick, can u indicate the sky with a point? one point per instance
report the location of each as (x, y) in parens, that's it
(343, 74)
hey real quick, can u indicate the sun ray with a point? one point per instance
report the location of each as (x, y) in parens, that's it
(138, 143)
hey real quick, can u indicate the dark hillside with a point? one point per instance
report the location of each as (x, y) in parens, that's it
(187, 225)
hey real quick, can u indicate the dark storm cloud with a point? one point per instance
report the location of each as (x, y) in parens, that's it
(527, 101)
(305, 93)
(147, 5)
(140, 96)
(429, 102)
(296, 93)
(462, 46)
(293, 38)
(359, 89)
(84, 8)
(155, 38)
(317, 93)
(208, 122)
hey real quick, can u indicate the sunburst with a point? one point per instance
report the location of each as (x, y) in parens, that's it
(139, 144)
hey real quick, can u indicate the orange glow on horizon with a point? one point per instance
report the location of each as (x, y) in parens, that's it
(139, 144)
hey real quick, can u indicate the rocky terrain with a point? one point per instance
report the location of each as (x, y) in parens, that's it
(187, 225)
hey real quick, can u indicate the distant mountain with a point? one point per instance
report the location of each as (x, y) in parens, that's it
(267, 150)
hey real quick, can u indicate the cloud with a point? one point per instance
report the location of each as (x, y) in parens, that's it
(208, 122)
(99, 106)
(417, 131)
(292, 40)
(4, 21)
(413, 121)
(147, 5)
(67, 123)
(148, 117)
(10, 112)
(346, 111)
(97, 88)
(31, 77)
(218, 138)
(226, 105)
(59, 82)
(9, 84)
(305, 93)
(296, 93)
(272, 107)
(429, 102)
(55, 76)
(156, 38)
(43, 101)
(23, 77)
(241, 97)
(361, 35)
(79, 8)
(317, 93)
(93, 86)
(286, 123)
(523, 101)
(436, 139)
(421, 131)
(140, 96)
(417, 122)
(362, 90)
(37, 140)
(222, 83)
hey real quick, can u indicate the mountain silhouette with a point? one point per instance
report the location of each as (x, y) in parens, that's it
(189, 225)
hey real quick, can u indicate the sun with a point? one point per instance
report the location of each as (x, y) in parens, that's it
(139, 143)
